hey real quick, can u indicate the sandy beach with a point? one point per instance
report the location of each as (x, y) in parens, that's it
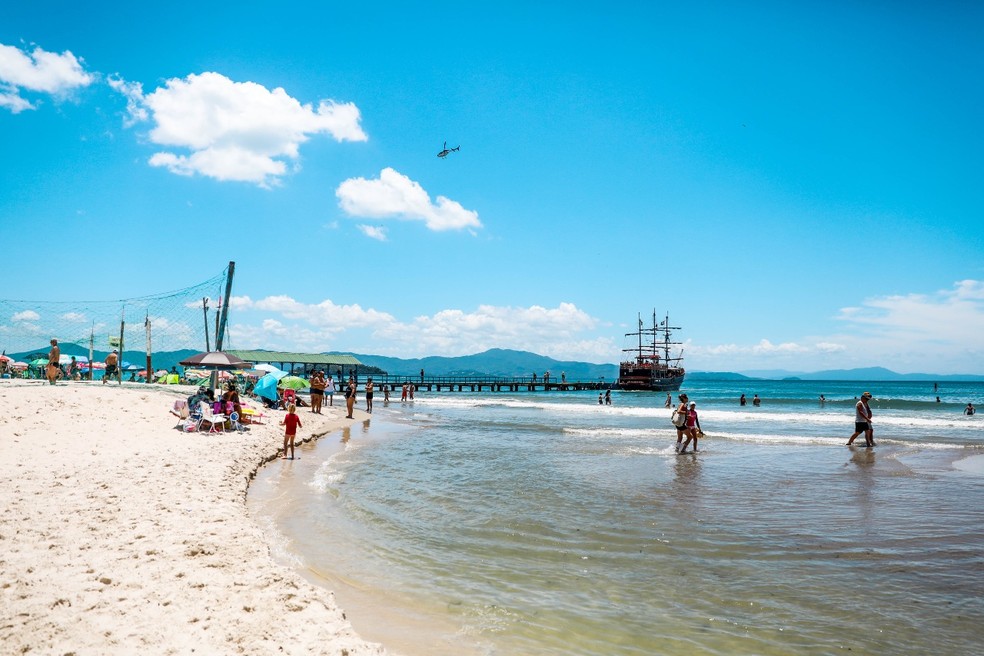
(120, 534)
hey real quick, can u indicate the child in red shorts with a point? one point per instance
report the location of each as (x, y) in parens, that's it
(292, 421)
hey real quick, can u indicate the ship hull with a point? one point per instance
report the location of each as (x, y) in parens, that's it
(651, 382)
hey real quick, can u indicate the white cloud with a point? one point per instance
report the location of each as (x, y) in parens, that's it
(925, 333)
(233, 131)
(26, 315)
(373, 232)
(133, 92)
(74, 317)
(394, 195)
(562, 332)
(38, 71)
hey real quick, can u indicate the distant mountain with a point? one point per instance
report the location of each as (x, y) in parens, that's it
(863, 374)
(495, 362)
(162, 359)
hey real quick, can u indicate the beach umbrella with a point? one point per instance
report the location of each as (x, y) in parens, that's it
(6, 358)
(293, 382)
(215, 360)
(39, 362)
(98, 365)
(266, 367)
(266, 387)
(130, 367)
(67, 359)
(19, 365)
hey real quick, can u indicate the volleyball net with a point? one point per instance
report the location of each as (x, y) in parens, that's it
(181, 319)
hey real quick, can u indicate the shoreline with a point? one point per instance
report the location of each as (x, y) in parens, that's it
(120, 534)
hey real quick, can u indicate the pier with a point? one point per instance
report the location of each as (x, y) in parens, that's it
(481, 383)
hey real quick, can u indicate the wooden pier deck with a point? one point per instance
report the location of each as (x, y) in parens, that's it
(482, 383)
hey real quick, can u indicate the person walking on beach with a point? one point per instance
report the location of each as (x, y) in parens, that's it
(112, 367)
(292, 421)
(862, 421)
(370, 389)
(330, 390)
(52, 370)
(681, 425)
(350, 399)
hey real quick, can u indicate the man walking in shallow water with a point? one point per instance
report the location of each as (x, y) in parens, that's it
(862, 421)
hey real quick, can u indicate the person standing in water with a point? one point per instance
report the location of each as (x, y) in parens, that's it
(292, 422)
(693, 427)
(862, 421)
(682, 427)
(669, 401)
(370, 389)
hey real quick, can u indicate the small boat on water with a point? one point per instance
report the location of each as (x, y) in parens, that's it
(650, 367)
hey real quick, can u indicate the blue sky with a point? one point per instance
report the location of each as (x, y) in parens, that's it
(799, 186)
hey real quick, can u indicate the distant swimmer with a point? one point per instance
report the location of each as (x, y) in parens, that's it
(756, 401)
(969, 410)
(742, 400)
(822, 399)
(447, 151)
(669, 401)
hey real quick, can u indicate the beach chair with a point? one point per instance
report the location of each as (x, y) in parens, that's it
(194, 421)
(253, 416)
(290, 396)
(180, 410)
(216, 421)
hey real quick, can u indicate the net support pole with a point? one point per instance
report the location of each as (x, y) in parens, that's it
(224, 311)
(147, 326)
(119, 360)
(205, 310)
(223, 316)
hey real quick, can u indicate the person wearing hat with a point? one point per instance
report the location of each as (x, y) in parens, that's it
(862, 421)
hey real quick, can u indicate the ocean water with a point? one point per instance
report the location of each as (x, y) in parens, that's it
(543, 523)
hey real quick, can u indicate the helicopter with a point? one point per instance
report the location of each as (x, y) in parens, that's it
(447, 151)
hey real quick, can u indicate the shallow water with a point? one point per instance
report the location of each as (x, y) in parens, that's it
(543, 524)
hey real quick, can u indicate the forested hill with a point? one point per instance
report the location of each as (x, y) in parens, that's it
(495, 362)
